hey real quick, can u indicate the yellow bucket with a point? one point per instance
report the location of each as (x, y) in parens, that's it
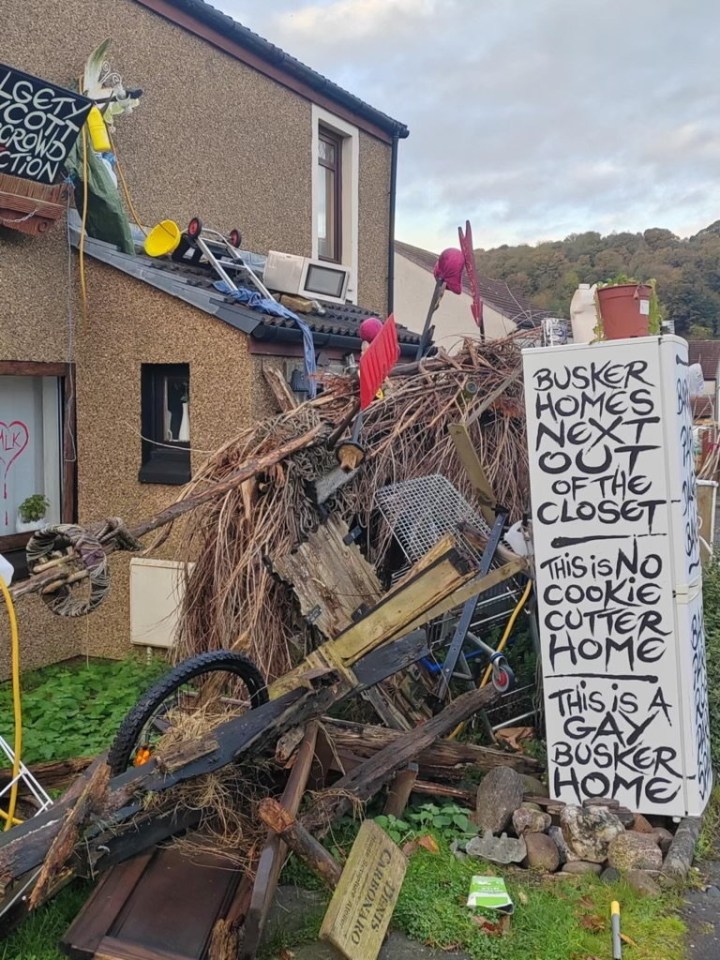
(163, 239)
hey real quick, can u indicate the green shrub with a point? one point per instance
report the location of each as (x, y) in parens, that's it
(711, 606)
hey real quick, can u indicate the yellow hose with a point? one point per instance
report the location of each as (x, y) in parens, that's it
(500, 647)
(9, 817)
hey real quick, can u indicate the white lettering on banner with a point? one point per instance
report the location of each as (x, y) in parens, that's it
(600, 505)
(39, 124)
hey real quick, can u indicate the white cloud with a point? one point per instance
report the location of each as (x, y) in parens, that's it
(330, 23)
(533, 119)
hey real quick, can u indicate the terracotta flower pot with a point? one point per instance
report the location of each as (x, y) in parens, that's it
(625, 310)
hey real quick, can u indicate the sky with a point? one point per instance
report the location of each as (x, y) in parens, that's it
(533, 119)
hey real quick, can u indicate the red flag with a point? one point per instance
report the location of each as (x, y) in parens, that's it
(377, 361)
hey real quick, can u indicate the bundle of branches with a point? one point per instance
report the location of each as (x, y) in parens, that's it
(233, 601)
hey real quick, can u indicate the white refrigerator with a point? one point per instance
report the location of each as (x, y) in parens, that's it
(618, 575)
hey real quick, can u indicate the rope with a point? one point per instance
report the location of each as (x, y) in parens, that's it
(89, 548)
(123, 184)
(28, 216)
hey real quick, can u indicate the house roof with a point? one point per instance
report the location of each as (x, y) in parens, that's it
(494, 292)
(703, 408)
(256, 46)
(337, 327)
(707, 354)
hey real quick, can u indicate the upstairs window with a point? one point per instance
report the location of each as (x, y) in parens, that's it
(165, 404)
(329, 225)
(335, 159)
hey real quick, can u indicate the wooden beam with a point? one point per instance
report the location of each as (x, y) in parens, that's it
(365, 781)
(300, 841)
(275, 850)
(400, 790)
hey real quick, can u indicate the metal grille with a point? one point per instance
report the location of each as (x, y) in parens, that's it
(420, 512)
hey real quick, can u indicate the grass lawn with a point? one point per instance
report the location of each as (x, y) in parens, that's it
(69, 710)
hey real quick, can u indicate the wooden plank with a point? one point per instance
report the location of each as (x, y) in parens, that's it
(446, 758)
(386, 620)
(113, 949)
(401, 607)
(275, 851)
(42, 208)
(363, 903)
(330, 578)
(478, 584)
(400, 790)
(300, 840)
(24, 847)
(365, 781)
(285, 398)
(84, 935)
(176, 903)
(384, 707)
(468, 456)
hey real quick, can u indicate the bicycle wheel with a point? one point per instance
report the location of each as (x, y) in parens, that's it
(221, 683)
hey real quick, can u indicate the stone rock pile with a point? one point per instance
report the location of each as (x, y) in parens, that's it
(599, 837)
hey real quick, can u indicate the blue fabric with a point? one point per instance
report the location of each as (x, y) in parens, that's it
(254, 300)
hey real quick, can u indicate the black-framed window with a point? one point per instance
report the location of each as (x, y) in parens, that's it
(165, 423)
(329, 196)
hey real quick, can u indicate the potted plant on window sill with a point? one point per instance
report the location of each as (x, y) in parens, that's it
(627, 308)
(32, 512)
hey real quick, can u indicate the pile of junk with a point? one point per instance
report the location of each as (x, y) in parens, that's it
(362, 562)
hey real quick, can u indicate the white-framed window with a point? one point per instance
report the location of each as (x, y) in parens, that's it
(335, 192)
(31, 462)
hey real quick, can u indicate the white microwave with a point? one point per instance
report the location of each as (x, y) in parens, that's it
(302, 277)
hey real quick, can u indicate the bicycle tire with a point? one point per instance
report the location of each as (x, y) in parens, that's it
(132, 726)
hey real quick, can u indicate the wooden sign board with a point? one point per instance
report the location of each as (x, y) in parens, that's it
(39, 123)
(363, 903)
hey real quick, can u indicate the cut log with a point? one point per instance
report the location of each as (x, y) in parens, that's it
(50, 774)
(275, 850)
(285, 398)
(365, 781)
(448, 759)
(89, 802)
(300, 841)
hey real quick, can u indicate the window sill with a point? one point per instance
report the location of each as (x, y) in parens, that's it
(167, 467)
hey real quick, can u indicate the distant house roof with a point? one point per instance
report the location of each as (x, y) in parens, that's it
(707, 354)
(337, 327)
(215, 27)
(494, 292)
(703, 408)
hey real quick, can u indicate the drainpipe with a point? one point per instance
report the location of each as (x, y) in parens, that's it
(391, 244)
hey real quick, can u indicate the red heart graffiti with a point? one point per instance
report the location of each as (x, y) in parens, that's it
(14, 437)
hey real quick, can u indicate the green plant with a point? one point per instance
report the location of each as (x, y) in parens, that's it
(449, 821)
(711, 612)
(657, 312)
(74, 710)
(33, 508)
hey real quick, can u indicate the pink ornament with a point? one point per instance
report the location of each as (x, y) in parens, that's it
(370, 328)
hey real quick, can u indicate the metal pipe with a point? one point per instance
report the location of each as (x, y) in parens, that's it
(391, 226)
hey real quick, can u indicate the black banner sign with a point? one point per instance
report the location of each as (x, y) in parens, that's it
(39, 124)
